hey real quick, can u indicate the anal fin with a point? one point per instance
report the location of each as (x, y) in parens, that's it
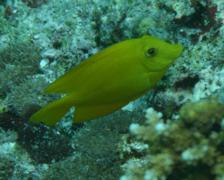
(88, 112)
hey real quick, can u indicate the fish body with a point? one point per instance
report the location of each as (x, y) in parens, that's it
(109, 79)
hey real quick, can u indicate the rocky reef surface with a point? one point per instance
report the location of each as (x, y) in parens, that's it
(173, 132)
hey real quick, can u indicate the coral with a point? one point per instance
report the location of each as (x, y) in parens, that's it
(46, 145)
(5, 27)
(18, 61)
(95, 154)
(60, 34)
(34, 3)
(25, 95)
(15, 163)
(3, 107)
(6, 164)
(6, 168)
(195, 75)
(189, 147)
(43, 144)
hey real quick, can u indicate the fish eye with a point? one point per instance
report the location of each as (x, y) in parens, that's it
(150, 52)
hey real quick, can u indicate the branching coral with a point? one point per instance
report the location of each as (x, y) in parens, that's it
(190, 147)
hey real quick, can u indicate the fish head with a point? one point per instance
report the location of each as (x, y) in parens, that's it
(157, 54)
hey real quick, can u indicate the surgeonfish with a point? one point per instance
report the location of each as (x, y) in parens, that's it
(110, 79)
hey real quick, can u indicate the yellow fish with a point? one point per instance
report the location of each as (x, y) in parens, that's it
(109, 79)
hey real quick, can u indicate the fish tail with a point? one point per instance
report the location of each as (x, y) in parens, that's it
(52, 113)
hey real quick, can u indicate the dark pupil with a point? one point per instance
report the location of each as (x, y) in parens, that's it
(151, 51)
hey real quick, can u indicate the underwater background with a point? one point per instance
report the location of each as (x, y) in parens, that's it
(174, 132)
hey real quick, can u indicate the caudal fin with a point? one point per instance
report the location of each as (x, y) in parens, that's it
(51, 113)
(87, 112)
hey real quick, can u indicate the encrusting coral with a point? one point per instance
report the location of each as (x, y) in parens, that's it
(188, 147)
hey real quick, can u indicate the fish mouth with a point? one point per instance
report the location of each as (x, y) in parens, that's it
(177, 49)
(175, 52)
